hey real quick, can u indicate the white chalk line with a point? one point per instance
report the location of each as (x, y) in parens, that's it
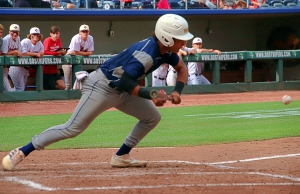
(290, 178)
(180, 161)
(38, 186)
(256, 159)
(250, 114)
(126, 174)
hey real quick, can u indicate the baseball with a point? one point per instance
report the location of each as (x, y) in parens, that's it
(286, 99)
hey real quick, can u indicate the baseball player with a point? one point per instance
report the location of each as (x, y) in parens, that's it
(115, 84)
(171, 76)
(6, 83)
(81, 44)
(30, 46)
(159, 75)
(12, 46)
(51, 79)
(195, 68)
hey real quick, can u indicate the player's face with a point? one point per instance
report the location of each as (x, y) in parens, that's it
(35, 37)
(178, 44)
(1, 33)
(197, 45)
(14, 34)
(84, 34)
(55, 35)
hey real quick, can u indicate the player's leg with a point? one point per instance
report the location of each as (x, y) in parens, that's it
(148, 115)
(59, 83)
(203, 80)
(6, 84)
(155, 81)
(171, 78)
(96, 97)
(15, 73)
(68, 76)
(192, 80)
(23, 78)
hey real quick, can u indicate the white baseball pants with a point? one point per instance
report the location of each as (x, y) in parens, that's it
(18, 75)
(197, 80)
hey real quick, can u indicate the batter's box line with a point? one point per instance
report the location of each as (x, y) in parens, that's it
(41, 187)
(126, 174)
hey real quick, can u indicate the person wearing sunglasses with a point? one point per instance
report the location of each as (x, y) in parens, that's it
(81, 44)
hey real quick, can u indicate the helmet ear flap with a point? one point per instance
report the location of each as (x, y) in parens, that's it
(165, 39)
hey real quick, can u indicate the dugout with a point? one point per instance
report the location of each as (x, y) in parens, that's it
(225, 30)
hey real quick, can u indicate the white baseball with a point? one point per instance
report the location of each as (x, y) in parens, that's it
(286, 99)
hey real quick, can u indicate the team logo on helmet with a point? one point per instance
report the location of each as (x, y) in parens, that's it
(293, 54)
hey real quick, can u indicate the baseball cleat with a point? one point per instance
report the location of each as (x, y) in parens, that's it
(12, 159)
(126, 161)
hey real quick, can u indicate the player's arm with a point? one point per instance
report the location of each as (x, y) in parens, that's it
(31, 54)
(203, 50)
(14, 53)
(129, 85)
(83, 53)
(182, 76)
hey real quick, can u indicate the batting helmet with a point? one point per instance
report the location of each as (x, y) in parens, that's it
(171, 26)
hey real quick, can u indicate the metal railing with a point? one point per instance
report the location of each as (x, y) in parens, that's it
(78, 62)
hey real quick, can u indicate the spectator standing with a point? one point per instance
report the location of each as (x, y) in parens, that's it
(126, 4)
(159, 75)
(195, 68)
(7, 86)
(257, 3)
(228, 4)
(51, 79)
(12, 46)
(81, 44)
(163, 4)
(115, 84)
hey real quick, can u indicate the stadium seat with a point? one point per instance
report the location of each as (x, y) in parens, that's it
(271, 2)
(265, 6)
(291, 5)
(278, 5)
(285, 2)
(174, 5)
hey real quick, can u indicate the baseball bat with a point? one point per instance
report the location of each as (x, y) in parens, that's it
(154, 94)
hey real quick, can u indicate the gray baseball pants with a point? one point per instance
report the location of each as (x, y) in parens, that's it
(98, 96)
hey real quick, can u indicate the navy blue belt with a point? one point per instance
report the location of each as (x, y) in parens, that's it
(195, 74)
(159, 78)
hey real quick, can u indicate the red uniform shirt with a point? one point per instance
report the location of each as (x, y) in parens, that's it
(50, 47)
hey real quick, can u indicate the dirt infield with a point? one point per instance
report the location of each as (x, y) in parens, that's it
(251, 167)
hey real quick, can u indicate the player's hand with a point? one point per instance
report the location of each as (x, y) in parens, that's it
(175, 96)
(39, 55)
(62, 51)
(19, 54)
(161, 99)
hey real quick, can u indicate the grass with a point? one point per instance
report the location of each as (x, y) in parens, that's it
(181, 126)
